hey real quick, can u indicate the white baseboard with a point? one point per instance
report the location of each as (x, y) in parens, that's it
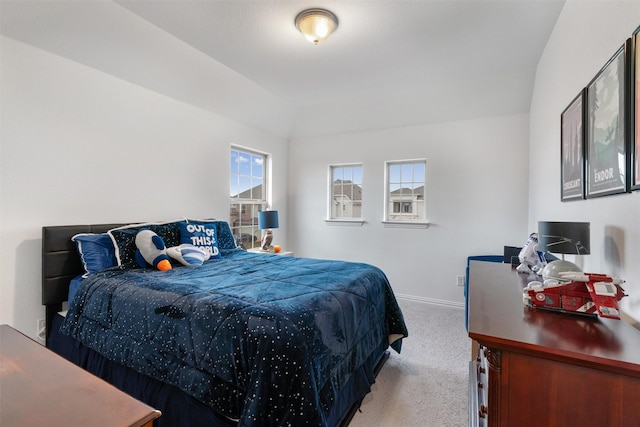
(430, 300)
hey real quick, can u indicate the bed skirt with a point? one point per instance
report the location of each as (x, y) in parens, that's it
(180, 409)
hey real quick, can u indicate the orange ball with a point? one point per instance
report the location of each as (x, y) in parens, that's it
(277, 248)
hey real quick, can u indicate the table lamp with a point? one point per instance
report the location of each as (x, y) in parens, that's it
(267, 220)
(562, 238)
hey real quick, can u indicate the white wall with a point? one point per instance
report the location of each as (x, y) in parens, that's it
(80, 146)
(585, 37)
(476, 196)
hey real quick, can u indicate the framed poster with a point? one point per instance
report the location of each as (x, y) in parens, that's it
(634, 152)
(606, 137)
(572, 150)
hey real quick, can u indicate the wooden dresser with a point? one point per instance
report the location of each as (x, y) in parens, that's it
(40, 388)
(540, 368)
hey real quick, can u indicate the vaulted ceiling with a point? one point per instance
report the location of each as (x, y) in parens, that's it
(390, 63)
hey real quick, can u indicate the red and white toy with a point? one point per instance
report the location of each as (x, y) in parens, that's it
(582, 293)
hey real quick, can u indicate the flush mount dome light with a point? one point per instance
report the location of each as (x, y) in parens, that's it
(316, 24)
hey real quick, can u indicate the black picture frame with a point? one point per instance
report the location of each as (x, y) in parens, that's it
(607, 128)
(572, 145)
(634, 108)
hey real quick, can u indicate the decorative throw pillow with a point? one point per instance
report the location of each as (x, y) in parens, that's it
(202, 234)
(96, 251)
(189, 255)
(223, 232)
(225, 237)
(124, 239)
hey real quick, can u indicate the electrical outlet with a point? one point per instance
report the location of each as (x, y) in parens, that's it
(460, 280)
(41, 329)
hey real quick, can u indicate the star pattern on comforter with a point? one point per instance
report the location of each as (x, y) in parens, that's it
(256, 337)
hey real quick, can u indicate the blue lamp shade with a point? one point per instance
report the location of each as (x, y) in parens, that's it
(267, 219)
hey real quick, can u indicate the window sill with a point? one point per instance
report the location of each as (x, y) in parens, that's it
(345, 222)
(405, 224)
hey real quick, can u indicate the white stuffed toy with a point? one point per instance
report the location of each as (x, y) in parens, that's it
(188, 254)
(151, 251)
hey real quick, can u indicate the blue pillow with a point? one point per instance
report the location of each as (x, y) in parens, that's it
(223, 232)
(202, 234)
(225, 237)
(96, 251)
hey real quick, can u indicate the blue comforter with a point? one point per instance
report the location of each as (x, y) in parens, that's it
(267, 340)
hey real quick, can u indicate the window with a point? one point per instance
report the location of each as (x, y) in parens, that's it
(248, 195)
(345, 201)
(405, 181)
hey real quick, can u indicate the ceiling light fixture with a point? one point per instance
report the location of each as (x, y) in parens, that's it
(316, 24)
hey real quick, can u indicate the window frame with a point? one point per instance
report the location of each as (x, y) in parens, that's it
(331, 196)
(405, 212)
(253, 205)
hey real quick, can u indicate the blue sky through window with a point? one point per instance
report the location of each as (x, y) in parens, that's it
(406, 175)
(247, 172)
(348, 173)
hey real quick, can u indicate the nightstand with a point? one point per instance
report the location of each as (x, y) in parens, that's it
(281, 253)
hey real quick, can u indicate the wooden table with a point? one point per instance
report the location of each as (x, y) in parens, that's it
(40, 388)
(542, 368)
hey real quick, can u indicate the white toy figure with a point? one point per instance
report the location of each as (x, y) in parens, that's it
(530, 258)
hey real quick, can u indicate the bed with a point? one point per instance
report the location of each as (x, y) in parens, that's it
(244, 339)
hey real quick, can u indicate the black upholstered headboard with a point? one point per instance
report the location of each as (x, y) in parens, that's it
(61, 263)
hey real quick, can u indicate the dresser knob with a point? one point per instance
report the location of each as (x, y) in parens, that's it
(480, 385)
(483, 411)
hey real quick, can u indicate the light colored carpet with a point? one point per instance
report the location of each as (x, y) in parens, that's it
(426, 384)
